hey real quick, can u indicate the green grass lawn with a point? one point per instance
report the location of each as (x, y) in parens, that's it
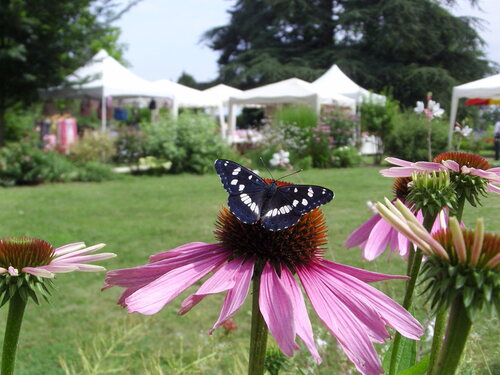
(83, 331)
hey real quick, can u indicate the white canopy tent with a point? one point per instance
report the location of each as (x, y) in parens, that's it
(102, 77)
(336, 81)
(293, 90)
(188, 97)
(485, 88)
(222, 92)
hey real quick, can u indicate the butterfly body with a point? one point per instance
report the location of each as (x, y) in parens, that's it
(251, 198)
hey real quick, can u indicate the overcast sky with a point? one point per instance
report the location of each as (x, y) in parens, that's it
(163, 36)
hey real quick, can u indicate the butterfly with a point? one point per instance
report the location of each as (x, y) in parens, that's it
(277, 207)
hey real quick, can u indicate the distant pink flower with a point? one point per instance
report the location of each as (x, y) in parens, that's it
(354, 312)
(454, 162)
(375, 235)
(37, 257)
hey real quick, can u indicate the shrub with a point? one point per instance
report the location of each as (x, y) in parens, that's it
(19, 123)
(302, 116)
(130, 146)
(191, 142)
(24, 164)
(346, 156)
(94, 171)
(408, 139)
(341, 124)
(379, 119)
(93, 146)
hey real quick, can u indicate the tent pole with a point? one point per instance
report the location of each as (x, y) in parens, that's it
(221, 122)
(453, 117)
(103, 111)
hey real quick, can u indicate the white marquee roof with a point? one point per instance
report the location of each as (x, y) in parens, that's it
(487, 88)
(104, 76)
(222, 92)
(335, 80)
(293, 90)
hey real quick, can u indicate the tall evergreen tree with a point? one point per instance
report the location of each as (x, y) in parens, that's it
(411, 46)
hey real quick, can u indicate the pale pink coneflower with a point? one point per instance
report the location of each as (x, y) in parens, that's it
(457, 163)
(353, 311)
(26, 255)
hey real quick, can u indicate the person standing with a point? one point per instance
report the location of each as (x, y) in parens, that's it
(496, 133)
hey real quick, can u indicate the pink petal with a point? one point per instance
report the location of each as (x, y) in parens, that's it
(223, 279)
(403, 245)
(493, 188)
(362, 233)
(429, 166)
(398, 171)
(127, 292)
(89, 268)
(151, 298)
(451, 165)
(38, 272)
(142, 275)
(84, 258)
(364, 312)
(399, 162)
(68, 248)
(363, 275)
(59, 268)
(302, 322)
(277, 310)
(392, 313)
(350, 333)
(378, 240)
(183, 249)
(236, 296)
(87, 250)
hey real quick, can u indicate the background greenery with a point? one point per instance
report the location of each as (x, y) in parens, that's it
(83, 331)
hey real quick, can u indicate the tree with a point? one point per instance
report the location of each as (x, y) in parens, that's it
(42, 41)
(411, 46)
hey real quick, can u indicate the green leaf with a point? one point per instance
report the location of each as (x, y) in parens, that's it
(406, 357)
(420, 368)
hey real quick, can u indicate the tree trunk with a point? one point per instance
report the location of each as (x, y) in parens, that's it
(2, 125)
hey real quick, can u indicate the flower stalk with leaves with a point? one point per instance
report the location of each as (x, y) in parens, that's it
(27, 267)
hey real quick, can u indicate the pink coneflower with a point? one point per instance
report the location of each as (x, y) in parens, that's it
(457, 163)
(27, 266)
(461, 272)
(354, 312)
(37, 257)
(375, 235)
(20, 255)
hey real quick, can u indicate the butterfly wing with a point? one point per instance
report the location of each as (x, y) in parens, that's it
(277, 213)
(305, 198)
(246, 190)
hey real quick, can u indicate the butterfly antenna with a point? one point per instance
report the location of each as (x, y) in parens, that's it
(267, 169)
(291, 174)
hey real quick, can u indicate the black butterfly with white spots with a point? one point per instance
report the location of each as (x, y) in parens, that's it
(252, 199)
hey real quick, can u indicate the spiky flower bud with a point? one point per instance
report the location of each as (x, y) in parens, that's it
(471, 272)
(431, 192)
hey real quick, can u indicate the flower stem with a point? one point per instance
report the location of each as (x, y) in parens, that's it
(439, 326)
(12, 329)
(258, 338)
(416, 261)
(437, 339)
(457, 331)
